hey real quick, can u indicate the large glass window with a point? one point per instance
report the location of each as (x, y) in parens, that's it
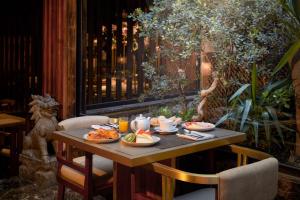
(112, 53)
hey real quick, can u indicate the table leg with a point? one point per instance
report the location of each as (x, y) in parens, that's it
(137, 183)
(124, 182)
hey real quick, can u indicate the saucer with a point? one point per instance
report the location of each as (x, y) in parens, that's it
(173, 130)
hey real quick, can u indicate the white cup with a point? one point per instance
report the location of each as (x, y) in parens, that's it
(166, 125)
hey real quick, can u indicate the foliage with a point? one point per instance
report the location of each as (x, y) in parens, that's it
(164, 111)
(254, 111)
(244, 32)
(241, 33)
(169, 111)
(292, 8)
(188, 115)
(174, 26)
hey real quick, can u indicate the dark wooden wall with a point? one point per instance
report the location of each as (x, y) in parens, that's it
(20, 51)
(59, 53)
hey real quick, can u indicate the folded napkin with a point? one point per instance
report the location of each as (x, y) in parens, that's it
(105, 127)
(195, 135)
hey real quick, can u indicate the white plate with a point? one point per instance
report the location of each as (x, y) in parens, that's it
(211, 126)
(134, 144)
(174, 130)
(98, 141)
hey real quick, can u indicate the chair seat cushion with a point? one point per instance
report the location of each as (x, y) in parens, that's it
(202, 194)
(5, 152)
(102, 171)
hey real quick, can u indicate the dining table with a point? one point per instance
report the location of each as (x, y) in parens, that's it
(15, 125)
(130, 182)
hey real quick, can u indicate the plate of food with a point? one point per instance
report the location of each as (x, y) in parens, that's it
(140, 138)
(198, 126)
(102, 136)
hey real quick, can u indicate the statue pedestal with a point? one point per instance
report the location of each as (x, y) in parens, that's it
(37, 171)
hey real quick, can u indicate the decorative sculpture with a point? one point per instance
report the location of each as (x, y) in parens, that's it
(203, 99)
(44, 112)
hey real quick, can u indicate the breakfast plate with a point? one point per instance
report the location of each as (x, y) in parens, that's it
(135, 144)
(102, 140)
(198, 126)
(173, 130)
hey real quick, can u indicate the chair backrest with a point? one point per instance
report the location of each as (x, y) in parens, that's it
(82, 122)
(253, 181)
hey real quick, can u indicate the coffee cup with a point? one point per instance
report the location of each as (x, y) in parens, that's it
(166, 125)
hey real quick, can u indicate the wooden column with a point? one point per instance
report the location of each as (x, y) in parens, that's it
(59, 52)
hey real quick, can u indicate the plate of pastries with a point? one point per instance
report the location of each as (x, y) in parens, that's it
(102, 135)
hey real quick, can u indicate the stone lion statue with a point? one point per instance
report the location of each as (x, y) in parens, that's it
(44, 112)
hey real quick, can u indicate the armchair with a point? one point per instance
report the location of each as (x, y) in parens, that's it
(253, 181)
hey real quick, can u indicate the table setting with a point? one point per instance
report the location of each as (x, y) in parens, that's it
(148, 131)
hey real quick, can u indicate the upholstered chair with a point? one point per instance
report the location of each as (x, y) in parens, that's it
(257, 180)
(88, 174)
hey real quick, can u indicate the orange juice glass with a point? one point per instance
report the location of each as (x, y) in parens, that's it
(123, 124)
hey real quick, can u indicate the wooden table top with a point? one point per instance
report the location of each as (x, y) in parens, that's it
(7, 120)
(137, 156)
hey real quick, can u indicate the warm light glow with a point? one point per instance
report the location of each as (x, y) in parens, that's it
(122, 60)
(206, 69)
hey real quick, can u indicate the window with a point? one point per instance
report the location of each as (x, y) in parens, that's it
(110, 54)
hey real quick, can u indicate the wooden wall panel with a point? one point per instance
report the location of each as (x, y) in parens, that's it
(59, 53)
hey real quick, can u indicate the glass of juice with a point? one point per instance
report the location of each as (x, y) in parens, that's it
(123, 124)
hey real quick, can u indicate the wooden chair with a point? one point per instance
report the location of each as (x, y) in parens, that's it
(253, 181)
(88, 174)
(7, 105)
(10, 151)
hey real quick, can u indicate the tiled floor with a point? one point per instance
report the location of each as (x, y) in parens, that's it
(16, 189)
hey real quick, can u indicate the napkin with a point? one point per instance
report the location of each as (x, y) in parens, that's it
(195, 135)
(101, 126)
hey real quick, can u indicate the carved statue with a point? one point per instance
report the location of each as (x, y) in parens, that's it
(44, 112)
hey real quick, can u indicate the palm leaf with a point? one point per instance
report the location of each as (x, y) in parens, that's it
(255, 131)
(254, 83)
(276, 123)
(239, 91)
(272, 87)
(287, 56)
(296, 8)
(266, 119)
(247, 107)
(223, 119)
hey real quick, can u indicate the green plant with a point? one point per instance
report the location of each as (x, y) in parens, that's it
(253, 111)
(174, 25)
(244, 32)
(241, 32)
(291, 8)
(165, 111)
(292, 57)
(188, 115)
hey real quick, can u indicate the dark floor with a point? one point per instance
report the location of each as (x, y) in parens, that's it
(17, 189)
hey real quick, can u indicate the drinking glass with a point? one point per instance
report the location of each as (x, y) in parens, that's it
(123, 124)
